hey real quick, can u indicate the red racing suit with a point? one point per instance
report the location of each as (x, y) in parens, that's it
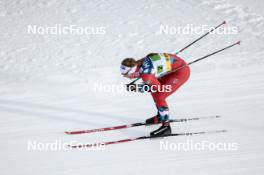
(149, 75)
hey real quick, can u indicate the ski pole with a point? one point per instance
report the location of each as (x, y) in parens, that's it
(206, 56)
(199, 59)
(224, 22)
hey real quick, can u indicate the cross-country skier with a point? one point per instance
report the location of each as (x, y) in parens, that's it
(156, 71)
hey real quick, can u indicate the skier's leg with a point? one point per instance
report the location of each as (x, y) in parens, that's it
(174, 80)
(163, 115)
(162, 107)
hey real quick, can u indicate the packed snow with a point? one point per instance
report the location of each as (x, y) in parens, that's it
(51, 83)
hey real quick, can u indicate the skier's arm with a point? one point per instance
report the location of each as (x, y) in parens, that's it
(151, 80)
(134, 75)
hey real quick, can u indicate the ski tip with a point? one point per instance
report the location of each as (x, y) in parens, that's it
(224, 22)
(74, 132)
(75, 146)
(238, 42)
(217, 116)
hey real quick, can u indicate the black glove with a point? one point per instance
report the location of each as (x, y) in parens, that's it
(131, 87)
(143, 88)
(138, 87)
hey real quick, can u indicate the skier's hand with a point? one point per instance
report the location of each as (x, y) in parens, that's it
(143, 88)
(131, 87)
(138, 87)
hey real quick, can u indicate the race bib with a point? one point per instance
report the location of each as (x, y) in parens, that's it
(161, 64)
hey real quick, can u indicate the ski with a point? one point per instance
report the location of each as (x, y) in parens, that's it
(144, 138)
(136, 125)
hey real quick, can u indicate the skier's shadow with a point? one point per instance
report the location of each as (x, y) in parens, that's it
(44, 111)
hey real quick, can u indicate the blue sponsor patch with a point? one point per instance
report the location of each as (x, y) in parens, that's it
(147, 66)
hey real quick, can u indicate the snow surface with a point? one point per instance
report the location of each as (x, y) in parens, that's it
(47, 86)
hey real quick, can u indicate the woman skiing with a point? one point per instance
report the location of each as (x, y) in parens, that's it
(157, 72)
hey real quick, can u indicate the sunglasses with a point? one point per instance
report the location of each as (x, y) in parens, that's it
(125, 70)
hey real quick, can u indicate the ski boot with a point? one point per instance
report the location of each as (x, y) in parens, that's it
(153, 120)
(165, 129)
